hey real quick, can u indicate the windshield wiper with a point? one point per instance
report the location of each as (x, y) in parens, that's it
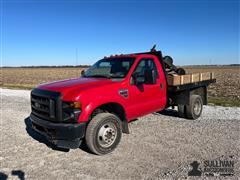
(99, 76)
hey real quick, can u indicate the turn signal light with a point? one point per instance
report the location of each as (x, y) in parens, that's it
(76, 105)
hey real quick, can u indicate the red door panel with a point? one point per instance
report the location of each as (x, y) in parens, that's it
(147, 98)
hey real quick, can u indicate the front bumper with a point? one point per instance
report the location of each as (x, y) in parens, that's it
(61, 134)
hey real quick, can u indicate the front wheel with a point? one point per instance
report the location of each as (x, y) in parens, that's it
(103, 133)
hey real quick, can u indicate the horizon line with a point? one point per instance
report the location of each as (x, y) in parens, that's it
(72, 66)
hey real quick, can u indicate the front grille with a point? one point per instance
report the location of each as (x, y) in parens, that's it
(46, 104)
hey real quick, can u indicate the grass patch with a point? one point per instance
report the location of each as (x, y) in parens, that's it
(224, 102)
(18, 86)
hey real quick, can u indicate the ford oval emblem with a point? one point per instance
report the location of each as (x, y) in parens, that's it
(37, 105)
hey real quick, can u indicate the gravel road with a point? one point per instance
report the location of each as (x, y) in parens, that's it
(160, 146)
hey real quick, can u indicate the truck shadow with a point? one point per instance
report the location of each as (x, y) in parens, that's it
(40, 138)
(168, 112)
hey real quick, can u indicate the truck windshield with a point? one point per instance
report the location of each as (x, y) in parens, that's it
(110, 68)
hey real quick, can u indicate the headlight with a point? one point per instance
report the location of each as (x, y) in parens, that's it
(71, 111)
(76, 105)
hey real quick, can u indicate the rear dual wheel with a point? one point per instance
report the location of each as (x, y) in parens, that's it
(182, 111)
(193, 110)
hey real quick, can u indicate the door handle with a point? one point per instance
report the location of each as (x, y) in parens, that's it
(161, 86)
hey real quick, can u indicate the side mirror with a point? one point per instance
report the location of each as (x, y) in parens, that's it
(150, 76)
(82, 72)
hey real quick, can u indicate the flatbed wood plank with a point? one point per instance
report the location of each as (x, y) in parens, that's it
(174, 79)
(195, 77)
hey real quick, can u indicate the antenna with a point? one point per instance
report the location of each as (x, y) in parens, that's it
(76, 57)
(210, 61)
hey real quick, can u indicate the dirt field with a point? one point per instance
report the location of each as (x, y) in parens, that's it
(160, 146)
(225, 92)
(30, 77)
(228, 81)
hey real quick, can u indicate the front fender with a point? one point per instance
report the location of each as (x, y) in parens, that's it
(88, 108)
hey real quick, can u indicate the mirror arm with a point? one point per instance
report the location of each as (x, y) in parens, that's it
(82, 72)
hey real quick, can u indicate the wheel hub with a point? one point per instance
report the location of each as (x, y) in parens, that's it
(107, 135)
(197, 108)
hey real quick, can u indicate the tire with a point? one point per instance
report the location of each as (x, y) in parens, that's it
(194, 109)
(103, 133)
(181, 71)
(168, 60)
(182, 111)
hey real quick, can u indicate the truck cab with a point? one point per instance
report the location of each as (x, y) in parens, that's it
(98, 106)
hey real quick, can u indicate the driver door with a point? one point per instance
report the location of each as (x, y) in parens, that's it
(146, 98)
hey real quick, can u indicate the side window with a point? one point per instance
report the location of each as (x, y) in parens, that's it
(105, 64)
(153, 66)
(143, 65)
(140, 68)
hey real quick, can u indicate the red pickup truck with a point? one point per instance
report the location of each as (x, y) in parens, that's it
(98, 106)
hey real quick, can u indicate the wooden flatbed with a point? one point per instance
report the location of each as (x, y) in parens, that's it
(176, 80)
(181, 87)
